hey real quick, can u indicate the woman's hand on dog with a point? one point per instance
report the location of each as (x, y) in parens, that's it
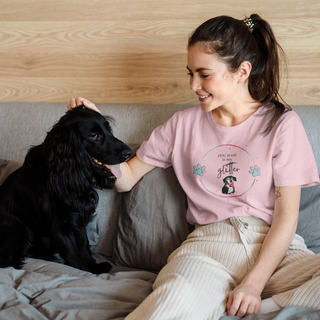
(79, 101)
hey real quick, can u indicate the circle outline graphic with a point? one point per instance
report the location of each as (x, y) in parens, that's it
(228, 196)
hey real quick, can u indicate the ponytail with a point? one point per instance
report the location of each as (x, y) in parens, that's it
(264, 84)
(252, 40)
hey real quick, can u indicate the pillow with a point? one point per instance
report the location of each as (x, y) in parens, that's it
(7, 167)
(102, 228)
(152, 221)
(309, 218)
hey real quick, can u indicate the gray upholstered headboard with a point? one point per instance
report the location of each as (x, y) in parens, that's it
(23, 124)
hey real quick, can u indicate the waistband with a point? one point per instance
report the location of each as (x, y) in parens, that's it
(253, 221)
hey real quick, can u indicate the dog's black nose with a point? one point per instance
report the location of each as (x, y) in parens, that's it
(126, 153)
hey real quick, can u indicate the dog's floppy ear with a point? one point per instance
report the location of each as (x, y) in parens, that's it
(68, 163)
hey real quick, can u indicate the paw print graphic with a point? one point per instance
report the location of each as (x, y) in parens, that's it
(199, 170)
(255, 171)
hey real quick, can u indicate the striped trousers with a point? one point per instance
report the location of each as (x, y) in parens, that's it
(214, 259)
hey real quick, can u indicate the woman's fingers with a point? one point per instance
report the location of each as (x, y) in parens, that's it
(79, 101)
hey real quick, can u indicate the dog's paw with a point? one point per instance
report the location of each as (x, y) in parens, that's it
(103, 267)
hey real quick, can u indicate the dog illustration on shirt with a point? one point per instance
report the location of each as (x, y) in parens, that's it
(228, 187)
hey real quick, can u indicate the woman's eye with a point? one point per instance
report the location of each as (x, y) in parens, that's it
(190, 74)
(204, 76)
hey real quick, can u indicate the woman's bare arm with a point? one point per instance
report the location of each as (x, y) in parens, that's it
(132, 172)
(246, 298)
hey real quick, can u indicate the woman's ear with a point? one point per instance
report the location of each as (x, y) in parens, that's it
(244, 71)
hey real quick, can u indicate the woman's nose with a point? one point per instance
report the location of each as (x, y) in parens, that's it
(194, 84)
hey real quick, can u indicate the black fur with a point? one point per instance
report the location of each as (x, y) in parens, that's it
(46, 204)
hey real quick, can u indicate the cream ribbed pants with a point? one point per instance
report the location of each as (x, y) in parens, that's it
(213, 261)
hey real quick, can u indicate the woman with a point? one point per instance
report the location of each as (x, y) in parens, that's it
(242, 157)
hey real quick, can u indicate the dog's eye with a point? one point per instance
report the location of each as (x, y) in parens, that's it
(95, 136)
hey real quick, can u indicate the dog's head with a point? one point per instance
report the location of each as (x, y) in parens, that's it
(229, 179)
(81, 147)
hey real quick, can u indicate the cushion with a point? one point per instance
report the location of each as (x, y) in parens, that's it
(102, 228)
(309, 218)
(7, 167)
(152, 222)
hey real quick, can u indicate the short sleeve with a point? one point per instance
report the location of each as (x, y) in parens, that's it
(158, 149)
(293, 159)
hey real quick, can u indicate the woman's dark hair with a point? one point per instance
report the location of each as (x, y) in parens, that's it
(234, 42)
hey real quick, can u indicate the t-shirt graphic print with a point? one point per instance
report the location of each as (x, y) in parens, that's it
(227, 171)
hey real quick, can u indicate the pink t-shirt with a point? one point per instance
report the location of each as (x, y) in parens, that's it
(232, 171)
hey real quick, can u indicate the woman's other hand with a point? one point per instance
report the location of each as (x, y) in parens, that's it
(243, 301)
(76, 102)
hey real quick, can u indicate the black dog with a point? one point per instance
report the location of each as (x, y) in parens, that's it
(46, 204)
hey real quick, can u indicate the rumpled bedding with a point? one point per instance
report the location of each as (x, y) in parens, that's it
(288, 313)
(48, 290)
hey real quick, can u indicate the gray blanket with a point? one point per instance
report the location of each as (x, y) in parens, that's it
(288, 313)
(48, 290)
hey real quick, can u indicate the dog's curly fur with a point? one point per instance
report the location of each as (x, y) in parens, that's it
(46, 204)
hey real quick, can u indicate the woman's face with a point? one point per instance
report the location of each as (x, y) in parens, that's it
(210, 79)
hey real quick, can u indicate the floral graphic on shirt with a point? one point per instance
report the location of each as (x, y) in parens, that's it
(223, 172)
(199, 170)
(255, 171)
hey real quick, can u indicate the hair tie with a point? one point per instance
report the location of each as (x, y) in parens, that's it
(249, 23)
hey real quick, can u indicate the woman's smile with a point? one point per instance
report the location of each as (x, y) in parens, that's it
(203, 98)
